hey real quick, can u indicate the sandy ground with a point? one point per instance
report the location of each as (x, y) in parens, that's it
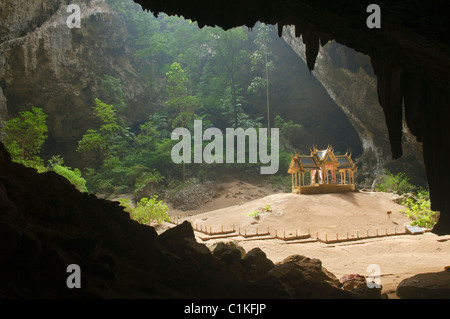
(326, 215)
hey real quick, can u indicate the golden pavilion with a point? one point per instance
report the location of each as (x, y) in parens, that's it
(322, 172)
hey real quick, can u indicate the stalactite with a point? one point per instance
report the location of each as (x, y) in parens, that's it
(390, 97)
(311, 41)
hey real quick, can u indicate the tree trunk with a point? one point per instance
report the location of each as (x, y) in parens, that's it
(267, 97)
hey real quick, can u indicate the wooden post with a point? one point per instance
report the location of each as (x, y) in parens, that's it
(347, 234)
(256, 230)
(337, 236)
(326, 237)
(317, 235)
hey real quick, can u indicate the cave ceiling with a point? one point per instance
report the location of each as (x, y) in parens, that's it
(409, 54)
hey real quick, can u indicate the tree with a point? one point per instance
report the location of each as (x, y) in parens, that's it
(179, 98)
(24, 136)
(229, 47)
(98, 139)
(262, 58)
(112, 89)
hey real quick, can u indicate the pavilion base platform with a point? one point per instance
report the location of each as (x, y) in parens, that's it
(323, 188)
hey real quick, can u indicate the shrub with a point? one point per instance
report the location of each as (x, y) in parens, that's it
(255, 214)
(24, 136)
(398, 183)
(147, 180)
(418, 209)
(72, 175)
(147, 209)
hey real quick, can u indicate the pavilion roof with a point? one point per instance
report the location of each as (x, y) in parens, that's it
(318, 158)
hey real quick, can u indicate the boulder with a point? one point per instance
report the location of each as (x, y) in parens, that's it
(425, 286)
(357, 285)
(228, 252)
(257, 264)
(306, 278)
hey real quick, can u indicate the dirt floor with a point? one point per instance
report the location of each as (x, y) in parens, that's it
(328, 216)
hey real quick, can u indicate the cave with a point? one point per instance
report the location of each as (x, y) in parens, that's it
(46, 224)
(409, 55)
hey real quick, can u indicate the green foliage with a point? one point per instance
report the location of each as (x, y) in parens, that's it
(147, 210)
(98, 139)
(55, 160)
(255, 214)
(418, 206)
(24, 136)
(208, 81)
(418, 209)
(179, 97)
(72, 175)
(147, 179)
(128, 206)
(112, 91)
(262, 62)
(231, 55)
(398, 183)
(281, 182)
